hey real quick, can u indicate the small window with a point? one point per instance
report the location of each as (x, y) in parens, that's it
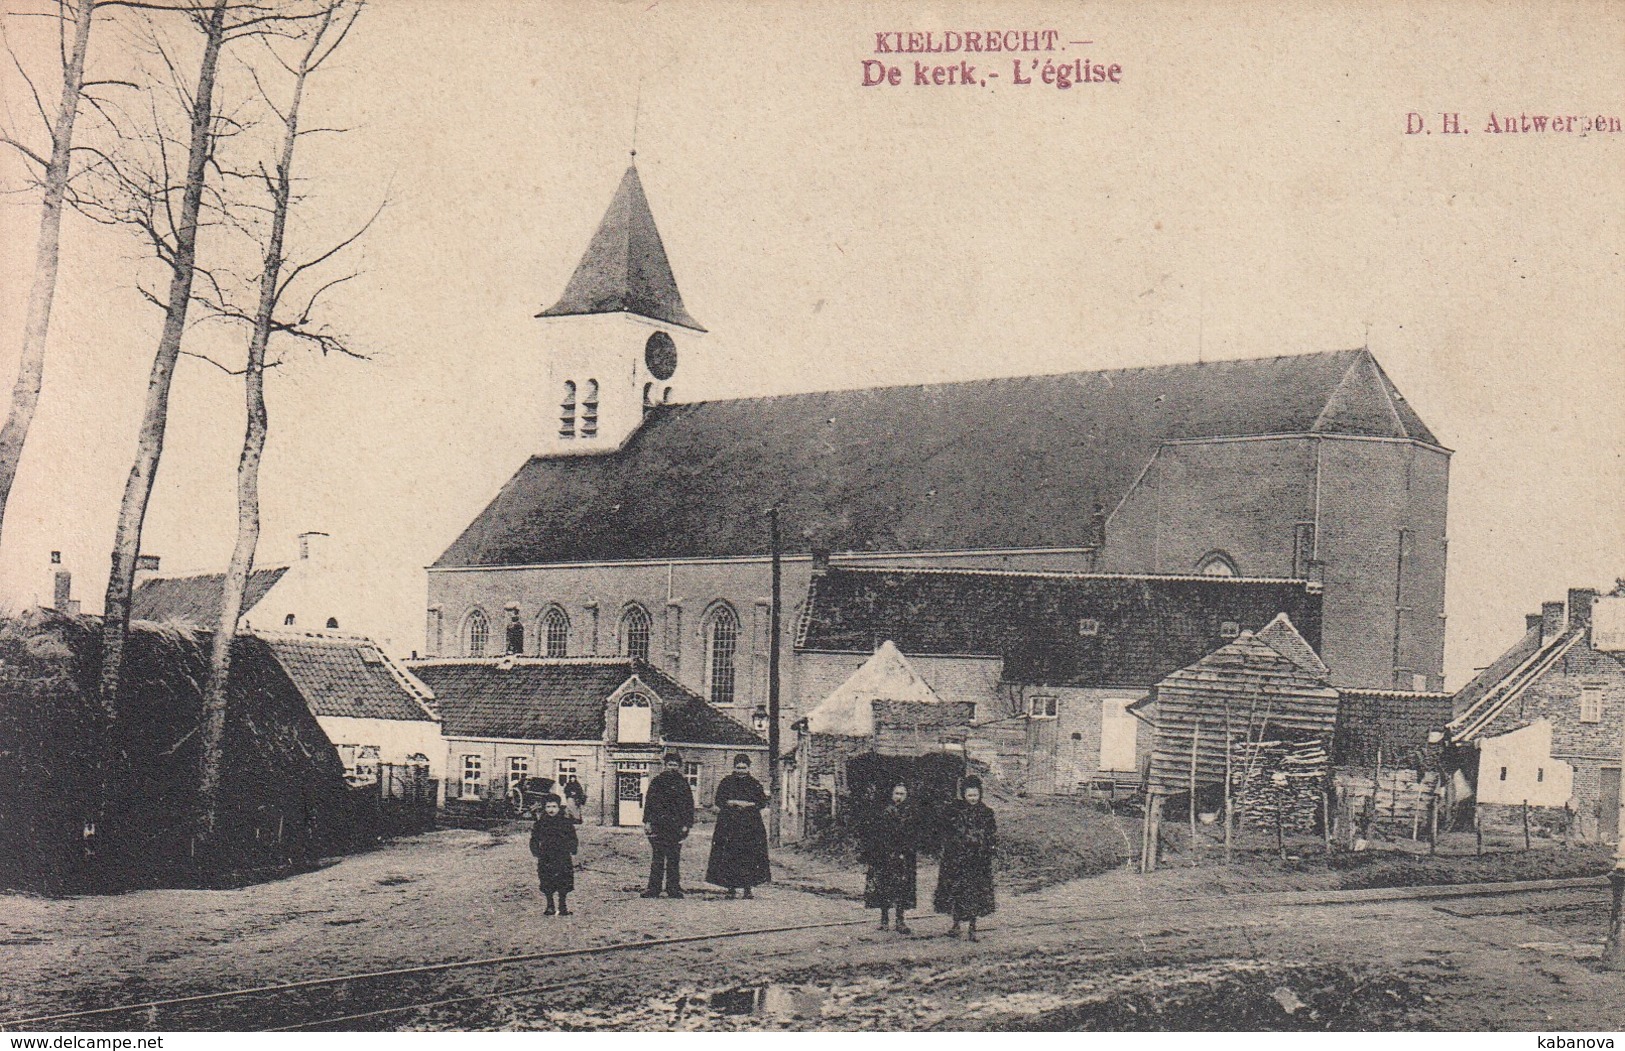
(569, 771)
(567, 411)
(479, 634)
(1088, 626)
(556, 632)
(288, 621)
(518, 770)
(691, 773)
(332, 624)
(473, 776)
(589, 410)
(1540, 773)
(1591, 704)
(1042, 707)
(1503, 773)
(1217, 564)
(1229, 629)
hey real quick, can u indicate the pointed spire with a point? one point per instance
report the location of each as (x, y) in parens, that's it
(625, 268)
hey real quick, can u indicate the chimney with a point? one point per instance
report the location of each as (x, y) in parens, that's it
(311, 545)
(820, 561)
(1531, 621)
(1551, 621)
(1580, 602)
(62, 594)
(1097, 527)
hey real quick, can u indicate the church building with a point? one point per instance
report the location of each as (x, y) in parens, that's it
(638, 525)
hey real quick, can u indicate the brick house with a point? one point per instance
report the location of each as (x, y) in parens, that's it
(1050, 661)
(604, 722)
(636, 526)
(1543, 724)
(373, 710)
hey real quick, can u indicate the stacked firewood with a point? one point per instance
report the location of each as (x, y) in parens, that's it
(1281, 784)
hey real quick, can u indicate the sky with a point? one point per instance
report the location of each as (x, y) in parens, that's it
(1248, 188)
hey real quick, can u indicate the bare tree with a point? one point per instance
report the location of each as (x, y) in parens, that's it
(54, 170)
(276, 276)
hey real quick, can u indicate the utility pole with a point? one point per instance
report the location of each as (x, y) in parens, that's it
(773, 683)
(1613, 953)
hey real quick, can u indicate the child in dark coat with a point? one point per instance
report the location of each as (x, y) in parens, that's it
(553, 842)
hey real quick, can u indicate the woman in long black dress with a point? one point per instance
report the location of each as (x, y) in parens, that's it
(739, 844)
(554, 844)
(890, 847)
(965, 880)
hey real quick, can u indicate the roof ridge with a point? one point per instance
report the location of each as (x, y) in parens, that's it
(1470, 723)
(201, 573)
(1061, 574)
(941, 384)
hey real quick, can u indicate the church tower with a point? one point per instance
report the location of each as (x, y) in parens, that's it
(616, 336)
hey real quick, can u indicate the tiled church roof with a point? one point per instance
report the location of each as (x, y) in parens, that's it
(988, 464)
(1142, 627)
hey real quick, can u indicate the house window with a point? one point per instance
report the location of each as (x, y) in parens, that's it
(288, 621)
(1591, 704)
(636, 628)
(556, 632)
(1088, 626)
(1217, 564)
(634, 724)
(478, 634)
(518, 770)
(1540, 773)
(589, 410)
(721, 647)
(1503, 773)
(1229, 629)
(567, 411)
(569, 772)
(332, 624)
(1042, 707)
(473, 776)
(691, 773)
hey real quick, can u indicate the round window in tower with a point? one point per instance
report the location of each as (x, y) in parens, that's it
(660, 354)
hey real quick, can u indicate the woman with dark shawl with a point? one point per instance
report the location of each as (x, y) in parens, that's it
(739, 844)
(965, 879)
(890, 843)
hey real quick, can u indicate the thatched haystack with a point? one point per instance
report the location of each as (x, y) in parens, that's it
(285, 801)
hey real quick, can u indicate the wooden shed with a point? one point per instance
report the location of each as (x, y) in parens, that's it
(1256, 714)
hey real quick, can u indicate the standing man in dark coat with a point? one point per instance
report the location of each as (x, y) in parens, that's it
(668, 814)
(739, 844)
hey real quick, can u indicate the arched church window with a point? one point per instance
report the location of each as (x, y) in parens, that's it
(332, 624)
(288, 620)
(1217, 564)
(589, 410)
(556, 632)
(721, 649)
(567, 411)
(477, 634)
(636, 628)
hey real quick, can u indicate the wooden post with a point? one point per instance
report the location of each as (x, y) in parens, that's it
(1416, 821)
(1326, 816)
(1478, 826)
(1229, 800)
(1433, 822)
(1526, 824)
(1196, 737)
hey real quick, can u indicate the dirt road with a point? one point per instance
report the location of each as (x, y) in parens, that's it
(1114, 953)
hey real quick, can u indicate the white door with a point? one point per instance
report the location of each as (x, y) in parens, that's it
(629, 788)
(1118, 734)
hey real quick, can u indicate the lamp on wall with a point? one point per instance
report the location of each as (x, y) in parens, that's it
(758, 718)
